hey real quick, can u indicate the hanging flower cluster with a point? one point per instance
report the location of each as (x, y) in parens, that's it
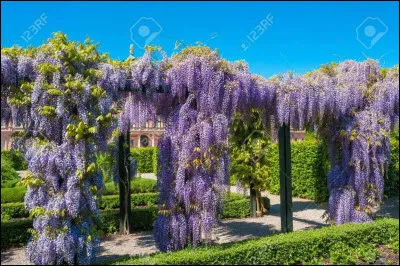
(63, 91)
(67, 95)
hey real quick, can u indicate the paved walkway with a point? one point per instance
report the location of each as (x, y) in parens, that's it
(306, 214)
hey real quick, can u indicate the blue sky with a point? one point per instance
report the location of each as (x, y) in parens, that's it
(272, 37)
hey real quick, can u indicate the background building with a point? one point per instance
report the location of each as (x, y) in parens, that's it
(147, 136)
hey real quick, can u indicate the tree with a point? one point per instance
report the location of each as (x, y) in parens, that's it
(249, 143)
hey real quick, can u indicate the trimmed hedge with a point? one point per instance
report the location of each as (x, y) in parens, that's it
(292, 248)
(14, 194)
(235, 206)
(147, 159)
(138, 185)
(392, 178)
(14, 210)
(15, 233)
(309, 173)
(17, 159)
(9, 175)
(142, 218)
(310, 165)
(140, 199)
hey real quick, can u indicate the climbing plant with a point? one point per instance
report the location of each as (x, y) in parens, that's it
(68, 94)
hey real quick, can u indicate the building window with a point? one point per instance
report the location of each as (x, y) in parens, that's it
(144, 141)
(3, 144)
(132, 143)
(160, 122)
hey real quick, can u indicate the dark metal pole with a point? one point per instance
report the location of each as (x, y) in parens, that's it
(253, 203)
(125, 223)
(285, 165)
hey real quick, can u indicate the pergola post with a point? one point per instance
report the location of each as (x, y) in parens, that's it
(285, 165)
(253, 203)
(125, 223)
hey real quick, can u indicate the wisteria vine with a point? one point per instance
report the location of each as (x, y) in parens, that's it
(68, 94)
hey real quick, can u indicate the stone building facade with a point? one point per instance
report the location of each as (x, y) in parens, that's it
(147, 136)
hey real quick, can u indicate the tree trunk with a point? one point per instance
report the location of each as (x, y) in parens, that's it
(261, 210)
(253, 201)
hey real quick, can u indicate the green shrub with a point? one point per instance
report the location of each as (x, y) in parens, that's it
(139, 199)
(292, 248)
(231, 210)
(143, 185)
(14, 210)
(15, 233)
(144, 157)
(15, 194)
(310, 165)
(138, 185)
(309, 177)
(17, 159)
(9, 175)
(142, 218)
(236, 209)
(10, 183)
(392, 176)
(155, 160)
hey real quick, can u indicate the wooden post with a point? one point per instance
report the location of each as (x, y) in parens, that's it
(253, 201)
(125, 223)
(285, 165)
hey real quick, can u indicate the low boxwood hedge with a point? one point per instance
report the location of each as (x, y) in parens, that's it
(138, 185)
(238, 209)
(15, 233)
(14, 194)
(139, 199)
(292, 248)
(14, 210)
(142, 218)
(16, 158)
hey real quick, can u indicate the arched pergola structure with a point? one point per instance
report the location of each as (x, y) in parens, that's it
(68, 93)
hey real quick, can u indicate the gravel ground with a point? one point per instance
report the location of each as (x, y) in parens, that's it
(306, 214)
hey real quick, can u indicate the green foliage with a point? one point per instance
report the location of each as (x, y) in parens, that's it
(146, 158)
(15, 233)
(8, 173)
(392, 177)
(14, 210)
(106, 162)
(291, 248)
(235, 206)
(343, 254)
(16, 158)
(142, 217)
(155, 157)
(15, 194)
(140, 199)
(249, 144)
(138, 185)
(309, 170)
(143, 185)
(236, 209)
